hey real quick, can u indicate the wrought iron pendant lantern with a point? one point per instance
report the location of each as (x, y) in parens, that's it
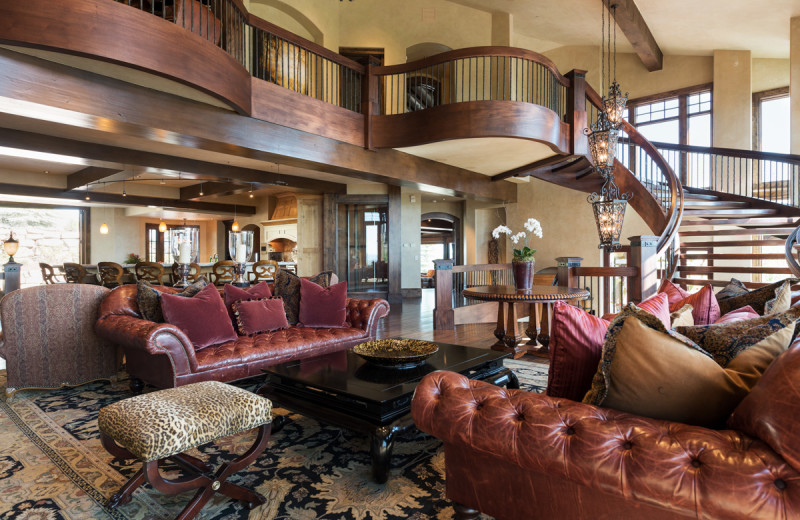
(603, 135)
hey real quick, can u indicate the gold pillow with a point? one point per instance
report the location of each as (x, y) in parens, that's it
(682, 317)
(649, 371)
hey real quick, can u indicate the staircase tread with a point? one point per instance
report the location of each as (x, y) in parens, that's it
(715, 283)
(755, 221)
(743, 212)
(733, 256)
(707, 269)
(738, 231)
(732, 243)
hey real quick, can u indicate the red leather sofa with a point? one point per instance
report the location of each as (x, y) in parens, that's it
(513, 454)
(160, 354)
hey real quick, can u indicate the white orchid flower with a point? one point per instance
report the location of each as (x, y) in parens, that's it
(500, 230)
(534, 227)
(516, 238)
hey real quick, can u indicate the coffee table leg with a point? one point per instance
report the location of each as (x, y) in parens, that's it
(381, 443)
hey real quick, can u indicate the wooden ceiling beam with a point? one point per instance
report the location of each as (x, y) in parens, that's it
(214, 188)
(88, 175)
(632, 24)
(105, 153)
(130, 200)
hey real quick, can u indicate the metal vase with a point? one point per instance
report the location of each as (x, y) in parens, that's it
(523, 274)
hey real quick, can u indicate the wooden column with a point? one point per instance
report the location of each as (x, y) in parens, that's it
(576, 112)
(643, 255)
(566, 273)
(443, 314)
(329, 259)
(369, 102)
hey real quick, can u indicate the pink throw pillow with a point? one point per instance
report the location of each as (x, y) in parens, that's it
(322, 306)
(576, 344)
(656, 305)
(256, 316)
(235, 294)
(743, 313)
(203, 317)
(705, 308)
(673, 292)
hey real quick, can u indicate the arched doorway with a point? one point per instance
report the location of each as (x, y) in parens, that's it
(256, 240)
(440, 237)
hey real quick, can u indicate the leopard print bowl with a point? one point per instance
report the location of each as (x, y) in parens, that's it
(396, 353)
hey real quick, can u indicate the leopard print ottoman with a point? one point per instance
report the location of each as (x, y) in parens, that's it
(160, 424)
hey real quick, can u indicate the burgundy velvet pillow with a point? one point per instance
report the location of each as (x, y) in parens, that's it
(673, 292)
(322, 306)
(705, 308)
(656, 305)
(203, 317)
(264, 315)
(576, 344)
(235, 294)
(744, 313)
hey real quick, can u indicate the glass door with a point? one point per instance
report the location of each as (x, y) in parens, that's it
(363, 252)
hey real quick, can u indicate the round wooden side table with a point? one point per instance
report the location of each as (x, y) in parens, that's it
(508, 340)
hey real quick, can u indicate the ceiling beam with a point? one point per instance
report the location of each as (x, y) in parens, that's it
(130, 200)
(215, 188)
(189, 168)
(88, 175)
(548, 163)
(630, 21)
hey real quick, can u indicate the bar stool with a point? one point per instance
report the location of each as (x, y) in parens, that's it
(194, 273)
(76, 273)
(151, 272)
(49, 275)
(264, 270)
(223, 272)
(110, 274)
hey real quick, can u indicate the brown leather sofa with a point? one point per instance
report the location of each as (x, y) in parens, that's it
(160, 354)
(514, 454)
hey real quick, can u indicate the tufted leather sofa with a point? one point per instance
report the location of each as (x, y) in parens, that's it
(514, 454)
(160, 354)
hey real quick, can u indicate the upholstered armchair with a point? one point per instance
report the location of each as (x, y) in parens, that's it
(48, 338)
(514, 454)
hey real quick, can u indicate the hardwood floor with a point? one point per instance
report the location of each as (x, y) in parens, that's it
(414, 319)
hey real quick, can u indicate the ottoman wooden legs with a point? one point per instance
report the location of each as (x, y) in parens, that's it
(200, 477)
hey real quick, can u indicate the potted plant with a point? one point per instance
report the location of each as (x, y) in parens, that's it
(132, 258)
(523, 260)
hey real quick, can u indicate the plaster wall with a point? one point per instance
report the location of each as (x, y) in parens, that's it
(733, 99)
(324, 16)
(410, 238)
(769, 73)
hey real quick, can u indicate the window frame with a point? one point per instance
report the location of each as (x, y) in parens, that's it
(758, 98)
(160, 247)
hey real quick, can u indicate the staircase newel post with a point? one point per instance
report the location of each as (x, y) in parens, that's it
(443, 314)
(566, 276)
(576, 112)
(644, 255)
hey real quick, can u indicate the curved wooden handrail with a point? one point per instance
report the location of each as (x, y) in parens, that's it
(730, 152)
(674, 212)
(473, 52)
(791, 241)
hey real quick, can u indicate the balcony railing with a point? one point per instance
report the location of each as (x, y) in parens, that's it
(473, 74)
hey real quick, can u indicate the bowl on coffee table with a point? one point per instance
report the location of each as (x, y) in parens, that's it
(396, 353)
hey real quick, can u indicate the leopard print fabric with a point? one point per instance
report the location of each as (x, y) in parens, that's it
(160, 424)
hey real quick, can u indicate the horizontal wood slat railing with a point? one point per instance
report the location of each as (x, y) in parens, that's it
(472, 74)
(765, 176)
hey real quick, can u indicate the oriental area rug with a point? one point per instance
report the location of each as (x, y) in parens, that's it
(53, 467)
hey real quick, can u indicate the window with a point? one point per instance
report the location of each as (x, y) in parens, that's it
(156, 245)
(676, 118)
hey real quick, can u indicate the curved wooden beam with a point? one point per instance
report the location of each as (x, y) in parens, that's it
(472, 119)
(120, 34)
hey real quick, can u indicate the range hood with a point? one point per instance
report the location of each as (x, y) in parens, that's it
(286, 208)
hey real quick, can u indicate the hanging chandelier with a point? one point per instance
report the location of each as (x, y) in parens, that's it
(603, 135)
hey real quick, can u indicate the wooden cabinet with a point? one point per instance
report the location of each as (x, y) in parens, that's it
(274, 231)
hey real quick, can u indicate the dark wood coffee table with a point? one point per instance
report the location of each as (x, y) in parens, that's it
(343, 389)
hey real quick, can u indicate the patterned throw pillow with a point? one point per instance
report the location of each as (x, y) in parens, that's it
(654, 372)
(782, 300)
(734, 288)
(725, 341)
(287, 286)
(756, 299)
(149, 298)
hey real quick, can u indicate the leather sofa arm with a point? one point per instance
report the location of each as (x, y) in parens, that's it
(150, 337)
(699, 472)
(366, 314)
